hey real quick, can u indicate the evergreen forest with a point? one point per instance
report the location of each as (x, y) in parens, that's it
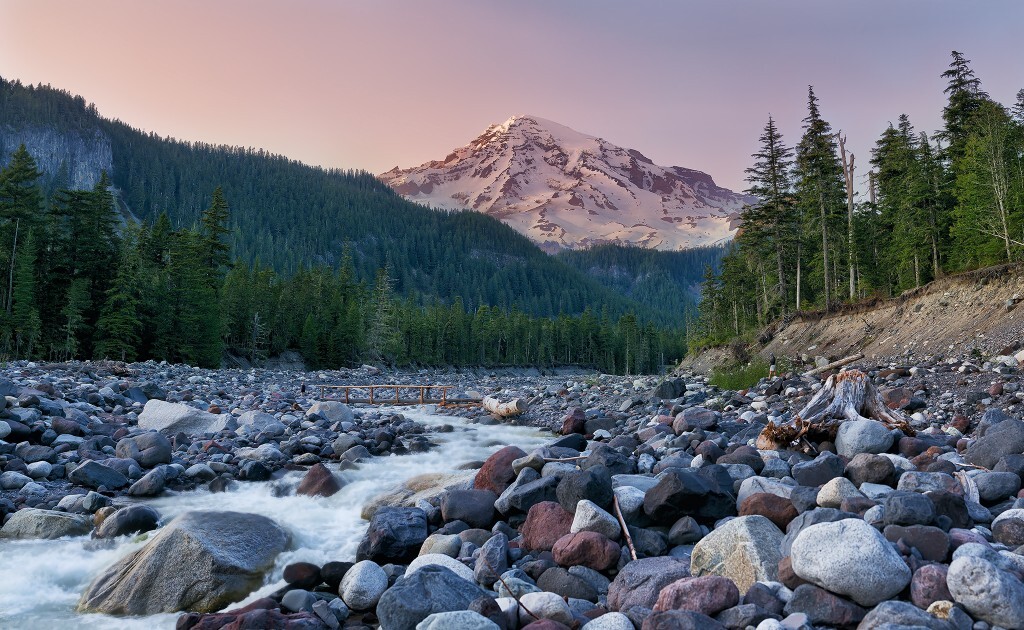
(936, 203)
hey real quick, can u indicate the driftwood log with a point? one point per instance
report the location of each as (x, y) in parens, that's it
(845, 396)
(508, 409)
(834, 364)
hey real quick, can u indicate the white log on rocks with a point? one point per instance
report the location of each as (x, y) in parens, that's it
(513, 407)
(834, 364)
(848, 395)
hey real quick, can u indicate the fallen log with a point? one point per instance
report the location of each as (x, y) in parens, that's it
(508, 409)
(834, 364)
(848, 395)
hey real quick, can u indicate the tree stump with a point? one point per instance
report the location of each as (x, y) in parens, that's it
(848, 395)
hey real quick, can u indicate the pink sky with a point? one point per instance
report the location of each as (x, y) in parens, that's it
(373, 84)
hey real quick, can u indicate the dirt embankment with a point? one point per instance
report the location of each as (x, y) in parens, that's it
(953, 316)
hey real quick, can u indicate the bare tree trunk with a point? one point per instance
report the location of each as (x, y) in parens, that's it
(848, 169)
(10, 278)
(513, 407)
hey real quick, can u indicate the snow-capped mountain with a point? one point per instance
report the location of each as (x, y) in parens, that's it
(563, 188)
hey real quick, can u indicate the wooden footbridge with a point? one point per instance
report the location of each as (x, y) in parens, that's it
(394, 395)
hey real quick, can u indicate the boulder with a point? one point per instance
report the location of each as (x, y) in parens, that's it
(49, 524)
(546, 522)
(95, 475)
(416, 596)
(363, 585)
(319, 481)
(708, 595)
(823, 608)
(167, 417)
(496, 474)
(331, 411)
(544, 606)
(640, 582)
(1004, 438)
(201, 561)
(744, 549)
(395, 534)
(441, 560)
(864, 567)
(457, 620)
(588, 549)
(129, 520)
(473, 507)
(591, 518)
(148, 449)
(862, 436)
(987, 592)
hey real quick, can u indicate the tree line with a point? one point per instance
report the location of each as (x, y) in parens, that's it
(83, 282)
(939, 203)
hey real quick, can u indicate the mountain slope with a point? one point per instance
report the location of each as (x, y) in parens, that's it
(563, 188)
(289, 216)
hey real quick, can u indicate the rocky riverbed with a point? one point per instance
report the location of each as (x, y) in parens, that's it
(157, 495)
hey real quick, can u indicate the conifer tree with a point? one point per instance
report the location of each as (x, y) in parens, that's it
(820, 185)
(965, 95)
(119, 328)
(770, 226)
(215, 231)
(25, 321)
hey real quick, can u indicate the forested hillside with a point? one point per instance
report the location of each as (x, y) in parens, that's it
(936, 203)
(290, 216)
(218, 248)
(668, 282)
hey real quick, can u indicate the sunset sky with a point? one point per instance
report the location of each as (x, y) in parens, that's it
(375, 84)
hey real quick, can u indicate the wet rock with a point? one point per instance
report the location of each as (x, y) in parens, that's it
(319, 481)
(200, 561)
(49, 524)
(394, 534)
(128, 520)
(302, 575)
(496, 474)
(474, 507)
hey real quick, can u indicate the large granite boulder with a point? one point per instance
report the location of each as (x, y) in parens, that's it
(745, 550)
(431, 589)
(35, 523)
(201, 561)
(167, 417)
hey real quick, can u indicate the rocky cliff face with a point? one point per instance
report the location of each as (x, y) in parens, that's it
(75, 159)
(563, 188)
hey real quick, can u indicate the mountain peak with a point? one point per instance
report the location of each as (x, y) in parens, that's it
(563, 188)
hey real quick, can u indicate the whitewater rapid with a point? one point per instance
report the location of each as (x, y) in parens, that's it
(41, 580)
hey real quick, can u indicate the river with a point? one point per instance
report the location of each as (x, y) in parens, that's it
(41, 580)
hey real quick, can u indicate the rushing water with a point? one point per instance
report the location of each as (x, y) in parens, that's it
(41, 580)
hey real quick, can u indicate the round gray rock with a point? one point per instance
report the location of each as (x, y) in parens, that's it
(363, 585)
(49, 524)
(987, 592)
(457, 620)
(862, 436)
(851, 558)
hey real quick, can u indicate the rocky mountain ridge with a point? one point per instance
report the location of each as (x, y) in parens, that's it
(566, 189)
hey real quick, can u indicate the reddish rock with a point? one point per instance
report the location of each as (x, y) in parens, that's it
(929, 585)
(574, 422)
(303, 575)
(776, 509)
(319, 482)
(545, 624)
(1009, 531)
(496, 474)
(959, 536)
(262, 613)
(787, 576)
(680, 620)
(896, 397)
(708, 595)
(961, 423)
(857, 505)
(65, 426)
(588, 549)
(996, 389)
(823, 608)
(546, 522)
